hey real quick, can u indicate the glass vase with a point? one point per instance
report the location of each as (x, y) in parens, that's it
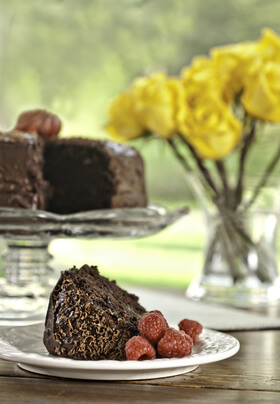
(240, 260)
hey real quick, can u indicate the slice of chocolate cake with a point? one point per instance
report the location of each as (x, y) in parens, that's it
(21, 169)
(91, 174)
(90, 317)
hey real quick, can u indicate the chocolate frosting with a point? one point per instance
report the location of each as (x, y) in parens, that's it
(21, 164)
(90, 317)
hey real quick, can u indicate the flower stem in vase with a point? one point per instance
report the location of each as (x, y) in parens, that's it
(223, 175)
(248, 140)
(271, 166)
(203, 170)
(222, 248)
(257, 258)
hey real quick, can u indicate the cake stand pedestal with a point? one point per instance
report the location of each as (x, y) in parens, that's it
(26, 283)
(27, 279)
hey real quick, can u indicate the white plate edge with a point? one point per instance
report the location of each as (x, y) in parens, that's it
(64, 363)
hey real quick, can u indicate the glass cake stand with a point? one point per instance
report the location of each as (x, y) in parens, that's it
(27, 278)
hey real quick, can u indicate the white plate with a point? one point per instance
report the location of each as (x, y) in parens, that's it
(24, 345)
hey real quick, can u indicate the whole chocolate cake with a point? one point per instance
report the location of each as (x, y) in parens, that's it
(21, 171)
(88, 174)
(90, 317)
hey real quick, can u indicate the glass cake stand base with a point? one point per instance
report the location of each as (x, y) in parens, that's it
(25, 284)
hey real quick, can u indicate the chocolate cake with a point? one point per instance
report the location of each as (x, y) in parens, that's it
(82, 174)
(88, 174)
(90, 317)
(21, 171)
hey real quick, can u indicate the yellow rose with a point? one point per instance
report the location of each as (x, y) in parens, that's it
(268, 47)
(156, 98)
(124, 124)
(261, 97)
(232, 64)
(201, 72)
(252, 69)
(204, 119)
(211, 128)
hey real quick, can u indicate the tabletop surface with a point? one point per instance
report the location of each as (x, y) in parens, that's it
(252, 375)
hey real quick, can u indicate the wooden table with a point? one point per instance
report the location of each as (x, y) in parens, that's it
(252, 375)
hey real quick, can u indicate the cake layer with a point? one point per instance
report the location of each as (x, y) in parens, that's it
(89, 174)
(21, 165)
(90, 317)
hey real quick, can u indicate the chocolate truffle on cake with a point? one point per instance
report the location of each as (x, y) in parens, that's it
(44, 123)
(21, 171)
(90, 317)
(88, 174)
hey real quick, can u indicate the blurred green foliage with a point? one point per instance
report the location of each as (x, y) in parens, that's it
(73, 57)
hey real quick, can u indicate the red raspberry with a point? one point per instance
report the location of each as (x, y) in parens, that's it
(160, 314)
(174, 344)
(138, 349)
(152, 326)
(192, 328)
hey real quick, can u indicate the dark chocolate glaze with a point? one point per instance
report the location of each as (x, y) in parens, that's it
(21, 165)
(90, 317)
(89, 174)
